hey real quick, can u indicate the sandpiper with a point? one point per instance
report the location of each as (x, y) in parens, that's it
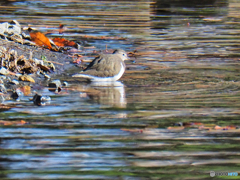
(105, 67)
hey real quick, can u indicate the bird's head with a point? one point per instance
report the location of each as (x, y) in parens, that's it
(121, 53)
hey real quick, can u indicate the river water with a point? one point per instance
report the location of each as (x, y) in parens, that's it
(173, 115)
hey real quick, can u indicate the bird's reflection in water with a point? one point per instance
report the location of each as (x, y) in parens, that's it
(108, 93)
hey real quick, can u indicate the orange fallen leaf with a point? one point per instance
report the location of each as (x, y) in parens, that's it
(40, 39)
(4, 107)
(61, 42)
(9, 123)
(192, 124)
(225, 127)
(176, 128)
(26, 90)
(26, 78)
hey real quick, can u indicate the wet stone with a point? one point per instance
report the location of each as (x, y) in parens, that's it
(65, 84)
(40, 100)
(17, 95)
(2, 99)
(3, 71)
(3, 89)
(14, 81)
(47, 76)
(14, 28)
(55, 85)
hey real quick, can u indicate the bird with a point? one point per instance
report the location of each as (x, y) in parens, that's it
(105, 67)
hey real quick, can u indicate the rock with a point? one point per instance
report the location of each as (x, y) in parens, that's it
(26, 78)
(3, 28)
(3, 89)
(2, 99)
(55, 85)
(18, 75)
(47, 76)
(37, 61)
(17, 95)
(14, 28)
(14, 81)
(4, 71)
(65, 84)
(40, 100)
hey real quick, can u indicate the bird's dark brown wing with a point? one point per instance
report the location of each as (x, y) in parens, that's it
(94, 62)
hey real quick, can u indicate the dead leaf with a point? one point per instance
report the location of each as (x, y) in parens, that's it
(26, 90)
(44, 68)
(40, 39)
(9, 123)
(26, 78)
(61, 42)
(225, 127)
(176, 128)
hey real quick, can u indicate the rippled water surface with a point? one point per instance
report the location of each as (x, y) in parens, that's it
(174, 115)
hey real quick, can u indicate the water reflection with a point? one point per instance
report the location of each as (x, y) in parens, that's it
(160, 4)
(108, 93)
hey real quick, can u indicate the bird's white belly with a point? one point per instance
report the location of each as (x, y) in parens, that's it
(101, 79)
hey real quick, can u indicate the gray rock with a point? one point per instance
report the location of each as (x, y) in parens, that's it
(55, 85)
(40, 100)
(2, 99)
(47, 76)
(3, 89)
(17, 95)
(4, 71)
(65, 84)
(14, 81)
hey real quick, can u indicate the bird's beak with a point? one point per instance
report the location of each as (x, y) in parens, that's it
(127, 58)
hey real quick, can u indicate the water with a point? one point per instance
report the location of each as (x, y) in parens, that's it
(185, 71)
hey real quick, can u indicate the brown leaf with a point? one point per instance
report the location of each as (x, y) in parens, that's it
(26, 90)
(175, 128)
(64, 42)
(26, 78)
(9, 123)
(44, 68)
(225, 127)
(40, 39)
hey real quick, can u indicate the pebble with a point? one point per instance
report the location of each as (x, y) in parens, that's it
(17, 95)
(55, 85)
(65, 84)
(2, 99)
(40, 100)
(47, 76)
(4, 71)
(3, 89)
(14, 81)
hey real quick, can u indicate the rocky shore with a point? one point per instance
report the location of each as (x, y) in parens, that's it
(28, 66)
